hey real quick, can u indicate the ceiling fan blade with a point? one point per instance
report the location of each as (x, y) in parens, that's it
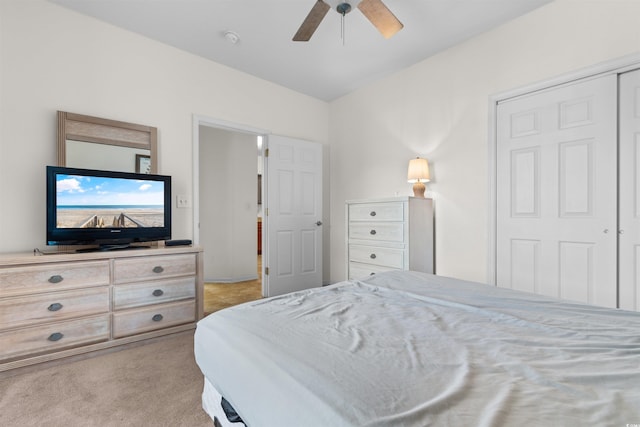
(311, 22)
(381, 17)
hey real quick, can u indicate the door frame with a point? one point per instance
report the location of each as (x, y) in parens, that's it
(614, 66)
(200, 120)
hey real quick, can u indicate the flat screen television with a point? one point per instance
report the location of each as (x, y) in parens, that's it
(106, 209)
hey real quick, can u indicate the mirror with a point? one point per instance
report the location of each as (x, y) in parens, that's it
(96, 143)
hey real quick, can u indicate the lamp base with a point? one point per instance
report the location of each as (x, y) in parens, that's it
(418, 189)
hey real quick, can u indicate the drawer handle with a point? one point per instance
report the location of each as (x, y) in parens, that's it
(158, 293)
(372, 232)
(158, 269)
(56, 278)
(56, 336)
(371, 274)
(372, 213)
(372, 256)
(157, 317)
(55, 306)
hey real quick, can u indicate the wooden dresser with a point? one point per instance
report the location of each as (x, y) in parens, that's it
(61, 305)
(389, 234)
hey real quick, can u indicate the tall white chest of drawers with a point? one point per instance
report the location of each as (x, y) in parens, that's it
(389, 234)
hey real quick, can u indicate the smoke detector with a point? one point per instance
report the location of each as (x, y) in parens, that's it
(231, 37)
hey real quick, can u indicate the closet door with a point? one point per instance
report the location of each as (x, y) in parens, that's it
(629, 237)
(556, 192)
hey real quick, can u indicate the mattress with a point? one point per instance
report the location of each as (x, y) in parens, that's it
(414, 349)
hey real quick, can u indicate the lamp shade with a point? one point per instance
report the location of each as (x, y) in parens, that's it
(418, 170)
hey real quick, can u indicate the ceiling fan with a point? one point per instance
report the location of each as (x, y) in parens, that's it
(374, 10)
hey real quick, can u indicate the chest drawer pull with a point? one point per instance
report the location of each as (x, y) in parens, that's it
(55, 306)
(158, 269)
(157, 317)
(372, 213)
(56, 336)
(372, 232)
(372, 256)
(56, 278)
(157, 293)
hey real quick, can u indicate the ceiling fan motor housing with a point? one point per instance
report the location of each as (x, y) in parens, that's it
(343, 8)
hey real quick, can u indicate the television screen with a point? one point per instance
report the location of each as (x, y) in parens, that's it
(104, 207)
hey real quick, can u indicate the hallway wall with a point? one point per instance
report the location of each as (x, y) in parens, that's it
(228, 204)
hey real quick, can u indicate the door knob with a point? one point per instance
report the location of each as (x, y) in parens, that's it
(318, 223)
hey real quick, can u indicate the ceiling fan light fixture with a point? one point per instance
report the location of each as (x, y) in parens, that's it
(343, 8)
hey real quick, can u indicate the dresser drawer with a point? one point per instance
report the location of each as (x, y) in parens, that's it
(154, 267)
(52, 277)
(377, 232)
(53, 336)
(360, 271)
(135, 321)
(387, 257)
(390, 211)
(27, 310)
(139, 294)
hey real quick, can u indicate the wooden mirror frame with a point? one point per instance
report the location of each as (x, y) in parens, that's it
(79, 127)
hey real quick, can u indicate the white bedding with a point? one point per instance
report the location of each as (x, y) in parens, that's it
(413, 349)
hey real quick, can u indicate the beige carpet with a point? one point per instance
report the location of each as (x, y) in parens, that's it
(157, 384)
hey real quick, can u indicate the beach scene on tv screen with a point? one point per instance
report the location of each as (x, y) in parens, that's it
(103, 202)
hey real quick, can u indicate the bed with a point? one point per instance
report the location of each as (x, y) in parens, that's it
(414, 349)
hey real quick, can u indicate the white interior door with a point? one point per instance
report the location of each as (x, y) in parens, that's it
(556, 192)
(293, 215)
(629, 216)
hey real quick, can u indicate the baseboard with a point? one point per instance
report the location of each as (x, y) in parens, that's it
(230, 279)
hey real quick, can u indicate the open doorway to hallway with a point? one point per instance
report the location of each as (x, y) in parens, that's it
(230, 215)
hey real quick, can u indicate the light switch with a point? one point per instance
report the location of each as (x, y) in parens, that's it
(182, 201)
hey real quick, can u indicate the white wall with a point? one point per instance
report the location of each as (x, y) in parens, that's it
(55, 59)
(228, 205)
(439, 109)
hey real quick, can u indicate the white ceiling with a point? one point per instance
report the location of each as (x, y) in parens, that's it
(325, 67)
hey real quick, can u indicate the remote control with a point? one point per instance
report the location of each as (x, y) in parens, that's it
(177, 242)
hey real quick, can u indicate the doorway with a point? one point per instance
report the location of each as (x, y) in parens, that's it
(227, 211)
(292, 233)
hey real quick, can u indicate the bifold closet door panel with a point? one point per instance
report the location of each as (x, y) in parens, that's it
(556, 192)
(629, 232)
